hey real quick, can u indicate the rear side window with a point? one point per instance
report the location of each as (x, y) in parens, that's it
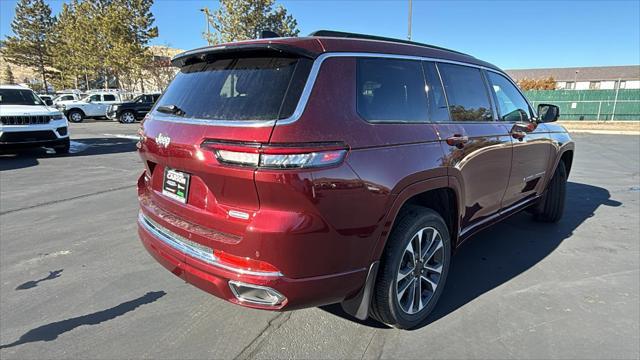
(466, 93)
(512, 106)
(253, 88)
(109, 97)
(391, 90)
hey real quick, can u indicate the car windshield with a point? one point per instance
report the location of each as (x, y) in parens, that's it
(261, 88)
(19, 97)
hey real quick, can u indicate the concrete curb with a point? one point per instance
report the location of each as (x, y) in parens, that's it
(604, 132)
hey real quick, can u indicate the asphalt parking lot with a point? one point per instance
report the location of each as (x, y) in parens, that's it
(76, 283)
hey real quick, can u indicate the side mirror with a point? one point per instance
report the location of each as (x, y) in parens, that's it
(49, 102)
(548, 113)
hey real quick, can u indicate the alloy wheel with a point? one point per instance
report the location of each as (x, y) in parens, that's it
(128, 118)
(420, 270)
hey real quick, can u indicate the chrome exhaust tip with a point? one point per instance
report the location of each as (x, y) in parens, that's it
(256, 294)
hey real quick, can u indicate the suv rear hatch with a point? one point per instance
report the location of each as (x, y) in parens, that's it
(228, 96)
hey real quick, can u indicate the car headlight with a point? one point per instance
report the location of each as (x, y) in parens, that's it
(57, 117)
(114, 107)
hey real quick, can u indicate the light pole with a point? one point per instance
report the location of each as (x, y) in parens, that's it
(410, 11)
(206, 19)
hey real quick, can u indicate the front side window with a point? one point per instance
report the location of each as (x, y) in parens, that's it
(94, 98)
(19, 97)
(512, 106)
(391, 90)
(466, 92)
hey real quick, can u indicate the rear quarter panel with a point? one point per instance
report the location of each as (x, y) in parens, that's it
(354, 200)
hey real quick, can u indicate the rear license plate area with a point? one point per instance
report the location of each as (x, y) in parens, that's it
(175, 184)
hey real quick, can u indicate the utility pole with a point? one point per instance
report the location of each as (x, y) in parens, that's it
(410, 11)
(206, 19)
(615, 101)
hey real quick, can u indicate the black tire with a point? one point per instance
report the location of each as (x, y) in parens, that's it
(127, 117)
(64, 148)
(551, 207)
(385, 306)
(75, 116)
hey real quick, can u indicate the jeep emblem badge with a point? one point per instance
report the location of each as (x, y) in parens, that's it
(163, 140)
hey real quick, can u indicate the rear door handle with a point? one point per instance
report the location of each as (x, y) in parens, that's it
(457, 140)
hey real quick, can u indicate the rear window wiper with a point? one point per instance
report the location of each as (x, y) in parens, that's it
(171, 109)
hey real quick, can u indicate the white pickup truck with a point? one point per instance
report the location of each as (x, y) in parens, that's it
(95, 105)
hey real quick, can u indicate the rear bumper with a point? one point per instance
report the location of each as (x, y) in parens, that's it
(299, 292)
(112, 115)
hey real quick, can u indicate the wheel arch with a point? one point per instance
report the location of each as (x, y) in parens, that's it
(435, 194)
(567, 158)
(77, 109)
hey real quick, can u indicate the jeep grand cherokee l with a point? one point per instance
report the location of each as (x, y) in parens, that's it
(295, 172)
(26, 121)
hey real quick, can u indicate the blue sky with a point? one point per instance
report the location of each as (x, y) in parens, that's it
(510, 34)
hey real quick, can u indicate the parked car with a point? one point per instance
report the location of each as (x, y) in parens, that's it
(92, 106)
(26, 121)
(47, 99)
(130, 111)
(339, 168)
(66, 97)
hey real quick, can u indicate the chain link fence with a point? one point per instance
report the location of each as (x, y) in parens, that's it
(600, 105)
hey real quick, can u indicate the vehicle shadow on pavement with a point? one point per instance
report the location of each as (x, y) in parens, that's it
(51, 331)
(33, 283)
(505, 250)
(19, 159)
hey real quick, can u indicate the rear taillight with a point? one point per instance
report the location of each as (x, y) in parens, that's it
(245, 263)
(278, 156)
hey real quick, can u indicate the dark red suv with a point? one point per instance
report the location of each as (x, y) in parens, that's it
(294, 172)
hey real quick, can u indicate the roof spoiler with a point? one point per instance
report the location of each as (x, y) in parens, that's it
(211, 52)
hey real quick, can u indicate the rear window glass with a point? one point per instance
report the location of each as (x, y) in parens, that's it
(391, 90)
(253, 88)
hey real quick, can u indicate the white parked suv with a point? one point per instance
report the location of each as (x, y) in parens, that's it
(66, 97)
(95, 105)
(26, 121)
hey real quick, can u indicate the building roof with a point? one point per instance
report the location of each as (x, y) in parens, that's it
(594, 73)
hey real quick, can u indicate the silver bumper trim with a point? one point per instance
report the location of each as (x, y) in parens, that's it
(194, 249)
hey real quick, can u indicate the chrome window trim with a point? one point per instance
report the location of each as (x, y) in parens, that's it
(308, 87)
(193, 249)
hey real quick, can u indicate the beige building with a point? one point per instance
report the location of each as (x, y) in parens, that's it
(585, 78)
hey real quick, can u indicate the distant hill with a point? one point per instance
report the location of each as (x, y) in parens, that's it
(25, 75)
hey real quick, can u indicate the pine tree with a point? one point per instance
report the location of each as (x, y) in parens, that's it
(238, 20)
(112, 43)
(8, 76)
(31, 43)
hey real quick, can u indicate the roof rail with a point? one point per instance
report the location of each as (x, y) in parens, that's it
(341, 34)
